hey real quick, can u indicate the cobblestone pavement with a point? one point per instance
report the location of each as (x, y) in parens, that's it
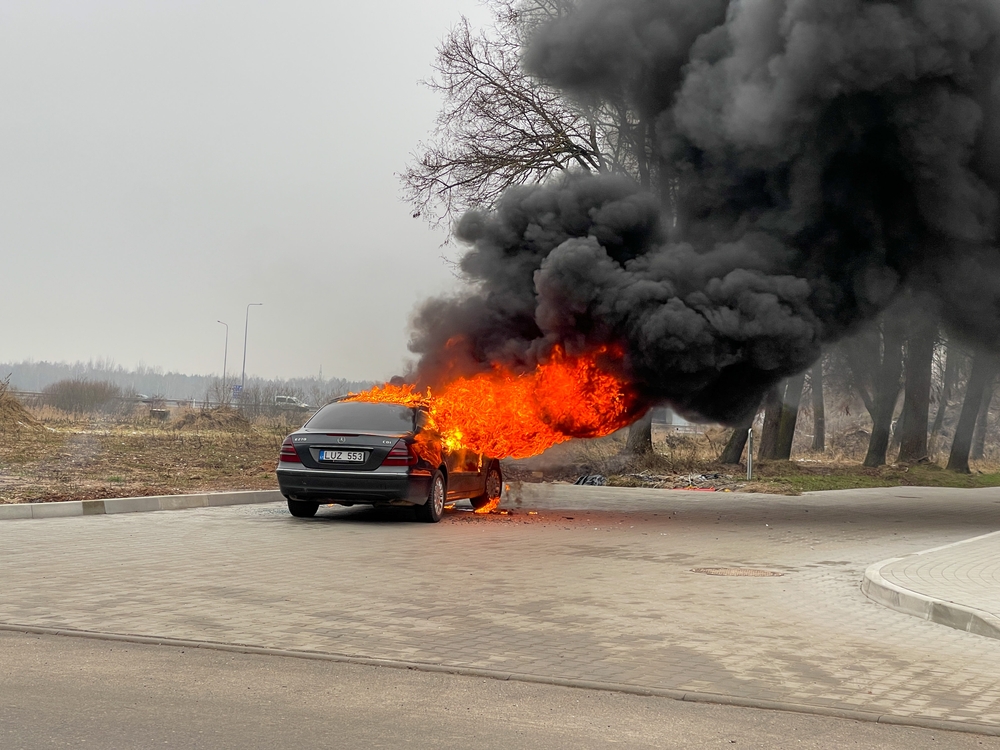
(967, 573)
(598, 584)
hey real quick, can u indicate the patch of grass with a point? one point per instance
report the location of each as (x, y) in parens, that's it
(797, 477)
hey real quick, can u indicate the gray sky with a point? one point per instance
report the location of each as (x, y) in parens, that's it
(165, 162)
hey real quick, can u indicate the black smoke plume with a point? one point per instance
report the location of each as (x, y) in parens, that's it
(824, 157)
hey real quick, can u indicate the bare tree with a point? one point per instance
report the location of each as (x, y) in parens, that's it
(818, 406)
(789, 416)
(773, 402)
(984, 369)
(781, 411)
(876, 361)
(733, 450)
(499, 127)
(640, 435)
(219, 392)
(978, 451)
(949, 379)
(912, 430)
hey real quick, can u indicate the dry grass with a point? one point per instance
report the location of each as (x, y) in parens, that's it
(210, 420)
(14, 418)
(73, 458)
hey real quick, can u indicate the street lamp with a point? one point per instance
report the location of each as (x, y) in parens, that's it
(246, 322)
(225, 357)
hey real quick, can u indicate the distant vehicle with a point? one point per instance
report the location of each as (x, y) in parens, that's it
(355, 452)
(290, 403)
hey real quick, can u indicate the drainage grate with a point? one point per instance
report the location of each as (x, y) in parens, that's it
(743, 572)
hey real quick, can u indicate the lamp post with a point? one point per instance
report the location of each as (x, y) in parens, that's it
(246, 322)
(225, 357)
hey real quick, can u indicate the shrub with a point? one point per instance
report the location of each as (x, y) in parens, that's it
(78, 396)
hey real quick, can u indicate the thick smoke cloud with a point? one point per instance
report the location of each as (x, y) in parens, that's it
(826, 156)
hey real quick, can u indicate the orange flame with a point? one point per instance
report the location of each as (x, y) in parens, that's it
(503, 414)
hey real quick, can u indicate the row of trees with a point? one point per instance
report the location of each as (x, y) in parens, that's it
(918, 386)
(34, 376)
(259, 397)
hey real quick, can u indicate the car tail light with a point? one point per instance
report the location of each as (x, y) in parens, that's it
(400, 455)
(288, 453)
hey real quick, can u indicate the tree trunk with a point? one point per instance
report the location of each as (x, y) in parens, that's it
(772, 421)
(917, 395)
(886, 393)
(983, 371)
(950, 374)
(819, 407)
(640, 435)
(789, 416)
(895, 431)
(982, 424)
(733, 451)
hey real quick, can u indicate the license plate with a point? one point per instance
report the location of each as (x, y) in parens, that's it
(349, 456)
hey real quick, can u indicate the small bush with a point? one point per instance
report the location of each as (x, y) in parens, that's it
(80, 396)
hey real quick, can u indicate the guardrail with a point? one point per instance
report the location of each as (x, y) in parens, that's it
(40, 397)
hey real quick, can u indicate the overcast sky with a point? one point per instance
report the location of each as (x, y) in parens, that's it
(165, 162)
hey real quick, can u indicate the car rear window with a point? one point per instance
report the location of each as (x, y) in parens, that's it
(358, 416)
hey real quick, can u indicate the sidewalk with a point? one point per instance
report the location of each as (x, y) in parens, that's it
(957, 585)
(70, 508)
(590, 586)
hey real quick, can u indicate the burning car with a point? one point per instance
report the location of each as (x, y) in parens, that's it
(359, 452)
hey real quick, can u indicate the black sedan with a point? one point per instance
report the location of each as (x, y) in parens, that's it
(356, 452)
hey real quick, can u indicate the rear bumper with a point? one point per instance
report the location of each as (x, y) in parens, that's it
(354, 487)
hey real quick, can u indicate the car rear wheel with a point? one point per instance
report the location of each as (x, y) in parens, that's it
(494, 486)
(433, 509)
(302, 508)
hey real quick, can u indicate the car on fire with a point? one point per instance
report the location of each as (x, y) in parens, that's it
(358, 452)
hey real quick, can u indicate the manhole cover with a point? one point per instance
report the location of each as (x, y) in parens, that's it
(742, 572)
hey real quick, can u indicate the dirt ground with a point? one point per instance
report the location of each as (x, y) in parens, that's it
(52, 456)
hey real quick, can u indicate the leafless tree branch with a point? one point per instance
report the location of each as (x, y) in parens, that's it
(499, 127)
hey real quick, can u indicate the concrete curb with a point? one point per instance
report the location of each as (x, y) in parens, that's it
(969, 727)
(941, 611)
(135, 504)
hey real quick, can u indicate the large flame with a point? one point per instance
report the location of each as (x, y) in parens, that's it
(504, 414)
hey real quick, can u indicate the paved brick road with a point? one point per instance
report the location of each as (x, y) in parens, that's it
(598, 586)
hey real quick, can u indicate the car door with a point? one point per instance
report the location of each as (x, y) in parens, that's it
(476, 466)
(463, 472)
